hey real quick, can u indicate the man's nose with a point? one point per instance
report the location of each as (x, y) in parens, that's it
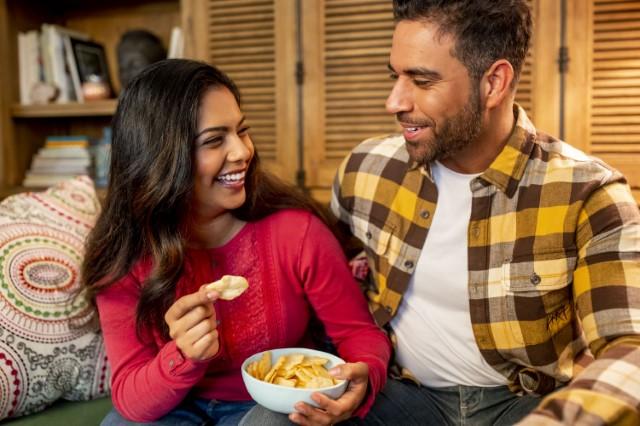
(400, 98)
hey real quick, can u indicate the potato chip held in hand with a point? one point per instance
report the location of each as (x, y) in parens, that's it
(229, 286)
(293, 370)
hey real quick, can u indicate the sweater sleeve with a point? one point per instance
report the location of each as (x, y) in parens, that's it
(147, 381)
(339, 304)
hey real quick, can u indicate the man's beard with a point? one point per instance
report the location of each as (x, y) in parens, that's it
(454, 133)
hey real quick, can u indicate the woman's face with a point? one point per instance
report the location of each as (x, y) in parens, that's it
(223, 151)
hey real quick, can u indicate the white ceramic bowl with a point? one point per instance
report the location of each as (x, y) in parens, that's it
(281, 398)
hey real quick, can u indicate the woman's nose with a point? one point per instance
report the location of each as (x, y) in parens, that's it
(241, 149)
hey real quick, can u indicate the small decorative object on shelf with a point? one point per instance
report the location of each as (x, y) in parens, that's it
(95, 88)
(136, 50)
(89, 69)
(44, 93)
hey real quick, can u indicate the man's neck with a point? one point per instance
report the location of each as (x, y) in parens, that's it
(497, 126)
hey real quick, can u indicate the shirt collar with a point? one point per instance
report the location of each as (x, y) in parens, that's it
(505, 172)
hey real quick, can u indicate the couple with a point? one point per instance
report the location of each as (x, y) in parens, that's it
(503, 262)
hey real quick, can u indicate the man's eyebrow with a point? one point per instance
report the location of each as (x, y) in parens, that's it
(419, 72)
(219, 128)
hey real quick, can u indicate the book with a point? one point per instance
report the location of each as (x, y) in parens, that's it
(176, 44)
(44, 180)
(39, 162)
(57, 142)
(22, 69)
(29, 62)
(56, 51)
(65, 152)
(73, 69)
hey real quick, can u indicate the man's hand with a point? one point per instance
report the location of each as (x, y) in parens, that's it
(333, 411)
(192, 324)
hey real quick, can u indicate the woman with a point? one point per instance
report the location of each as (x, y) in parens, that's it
(188, 203)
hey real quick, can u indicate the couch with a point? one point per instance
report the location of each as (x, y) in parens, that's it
(53, 366)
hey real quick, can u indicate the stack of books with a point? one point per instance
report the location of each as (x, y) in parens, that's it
(61, 158)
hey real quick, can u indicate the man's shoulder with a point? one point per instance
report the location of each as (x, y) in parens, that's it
(386, 144)
(371, 153)
(558, 156)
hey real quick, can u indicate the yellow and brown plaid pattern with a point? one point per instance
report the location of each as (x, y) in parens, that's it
(554, 252)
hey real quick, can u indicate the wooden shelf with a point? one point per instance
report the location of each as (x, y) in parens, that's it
(88, 109)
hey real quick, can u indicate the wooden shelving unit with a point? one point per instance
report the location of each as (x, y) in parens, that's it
(24, 128)
(89, 109)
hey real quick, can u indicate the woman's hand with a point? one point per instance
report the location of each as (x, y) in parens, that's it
(333, 411)
(192, 324)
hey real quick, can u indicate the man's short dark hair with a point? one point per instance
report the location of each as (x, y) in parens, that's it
(484, 30)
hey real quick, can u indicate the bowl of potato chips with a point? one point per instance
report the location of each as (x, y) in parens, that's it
(280, 378)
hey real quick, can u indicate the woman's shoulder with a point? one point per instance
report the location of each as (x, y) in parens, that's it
(295, 225)
(293, 218)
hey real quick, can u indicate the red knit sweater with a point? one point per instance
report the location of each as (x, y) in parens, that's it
(294, 266)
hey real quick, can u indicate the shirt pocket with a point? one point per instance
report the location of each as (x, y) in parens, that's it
(537, 299)
(538, 273)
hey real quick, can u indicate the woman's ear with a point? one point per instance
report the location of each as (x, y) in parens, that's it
(496, 83)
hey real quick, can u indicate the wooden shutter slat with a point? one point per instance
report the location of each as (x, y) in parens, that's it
(615, 85)
(242, 43)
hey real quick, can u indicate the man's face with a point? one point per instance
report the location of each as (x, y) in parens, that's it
(433, 98)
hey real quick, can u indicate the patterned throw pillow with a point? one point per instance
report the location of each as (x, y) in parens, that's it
(49, 348)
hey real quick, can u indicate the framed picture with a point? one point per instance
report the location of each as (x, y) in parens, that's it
(88, 68)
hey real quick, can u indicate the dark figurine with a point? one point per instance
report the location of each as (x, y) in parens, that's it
(136, 50)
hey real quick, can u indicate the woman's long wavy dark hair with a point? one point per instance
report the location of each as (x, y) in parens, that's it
(151, 184)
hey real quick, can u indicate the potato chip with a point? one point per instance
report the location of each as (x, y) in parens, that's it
(284, 382)
(293, 370)
(274, 370)
(264, 365)
(229, 286)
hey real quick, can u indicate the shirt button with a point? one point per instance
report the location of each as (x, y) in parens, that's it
(368, 235)
(408, 264)
(171, 363)
(475, 232)
(425, 214)
(535, 279)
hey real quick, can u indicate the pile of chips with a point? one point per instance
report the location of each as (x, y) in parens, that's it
(293, 370)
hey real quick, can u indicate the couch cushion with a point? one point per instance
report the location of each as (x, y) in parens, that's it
(49, 347)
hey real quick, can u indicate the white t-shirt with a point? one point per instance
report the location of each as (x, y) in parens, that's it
(433, 324)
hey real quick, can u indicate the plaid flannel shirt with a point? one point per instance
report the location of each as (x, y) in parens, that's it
(553, 259)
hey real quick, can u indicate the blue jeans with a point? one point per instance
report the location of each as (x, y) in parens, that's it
(192, 412)
(404, 403)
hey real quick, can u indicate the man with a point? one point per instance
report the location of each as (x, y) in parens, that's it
(502, 259)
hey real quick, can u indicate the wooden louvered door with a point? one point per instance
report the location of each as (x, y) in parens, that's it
(603, 105)
(614, 127)
(347, 46)
(254, 41)
(524, 92)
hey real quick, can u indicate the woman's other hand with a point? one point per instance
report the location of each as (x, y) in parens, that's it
(334, 411)
(192, 324)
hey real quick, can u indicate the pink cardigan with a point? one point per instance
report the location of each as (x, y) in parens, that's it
(294, 266)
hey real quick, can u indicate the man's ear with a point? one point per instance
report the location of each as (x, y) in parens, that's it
(496, 83)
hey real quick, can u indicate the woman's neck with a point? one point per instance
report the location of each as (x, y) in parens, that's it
(213, 231)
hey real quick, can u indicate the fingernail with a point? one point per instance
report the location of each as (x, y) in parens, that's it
(334, 371)
(212, 295)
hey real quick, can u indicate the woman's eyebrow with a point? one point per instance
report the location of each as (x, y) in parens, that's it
(219, 128)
